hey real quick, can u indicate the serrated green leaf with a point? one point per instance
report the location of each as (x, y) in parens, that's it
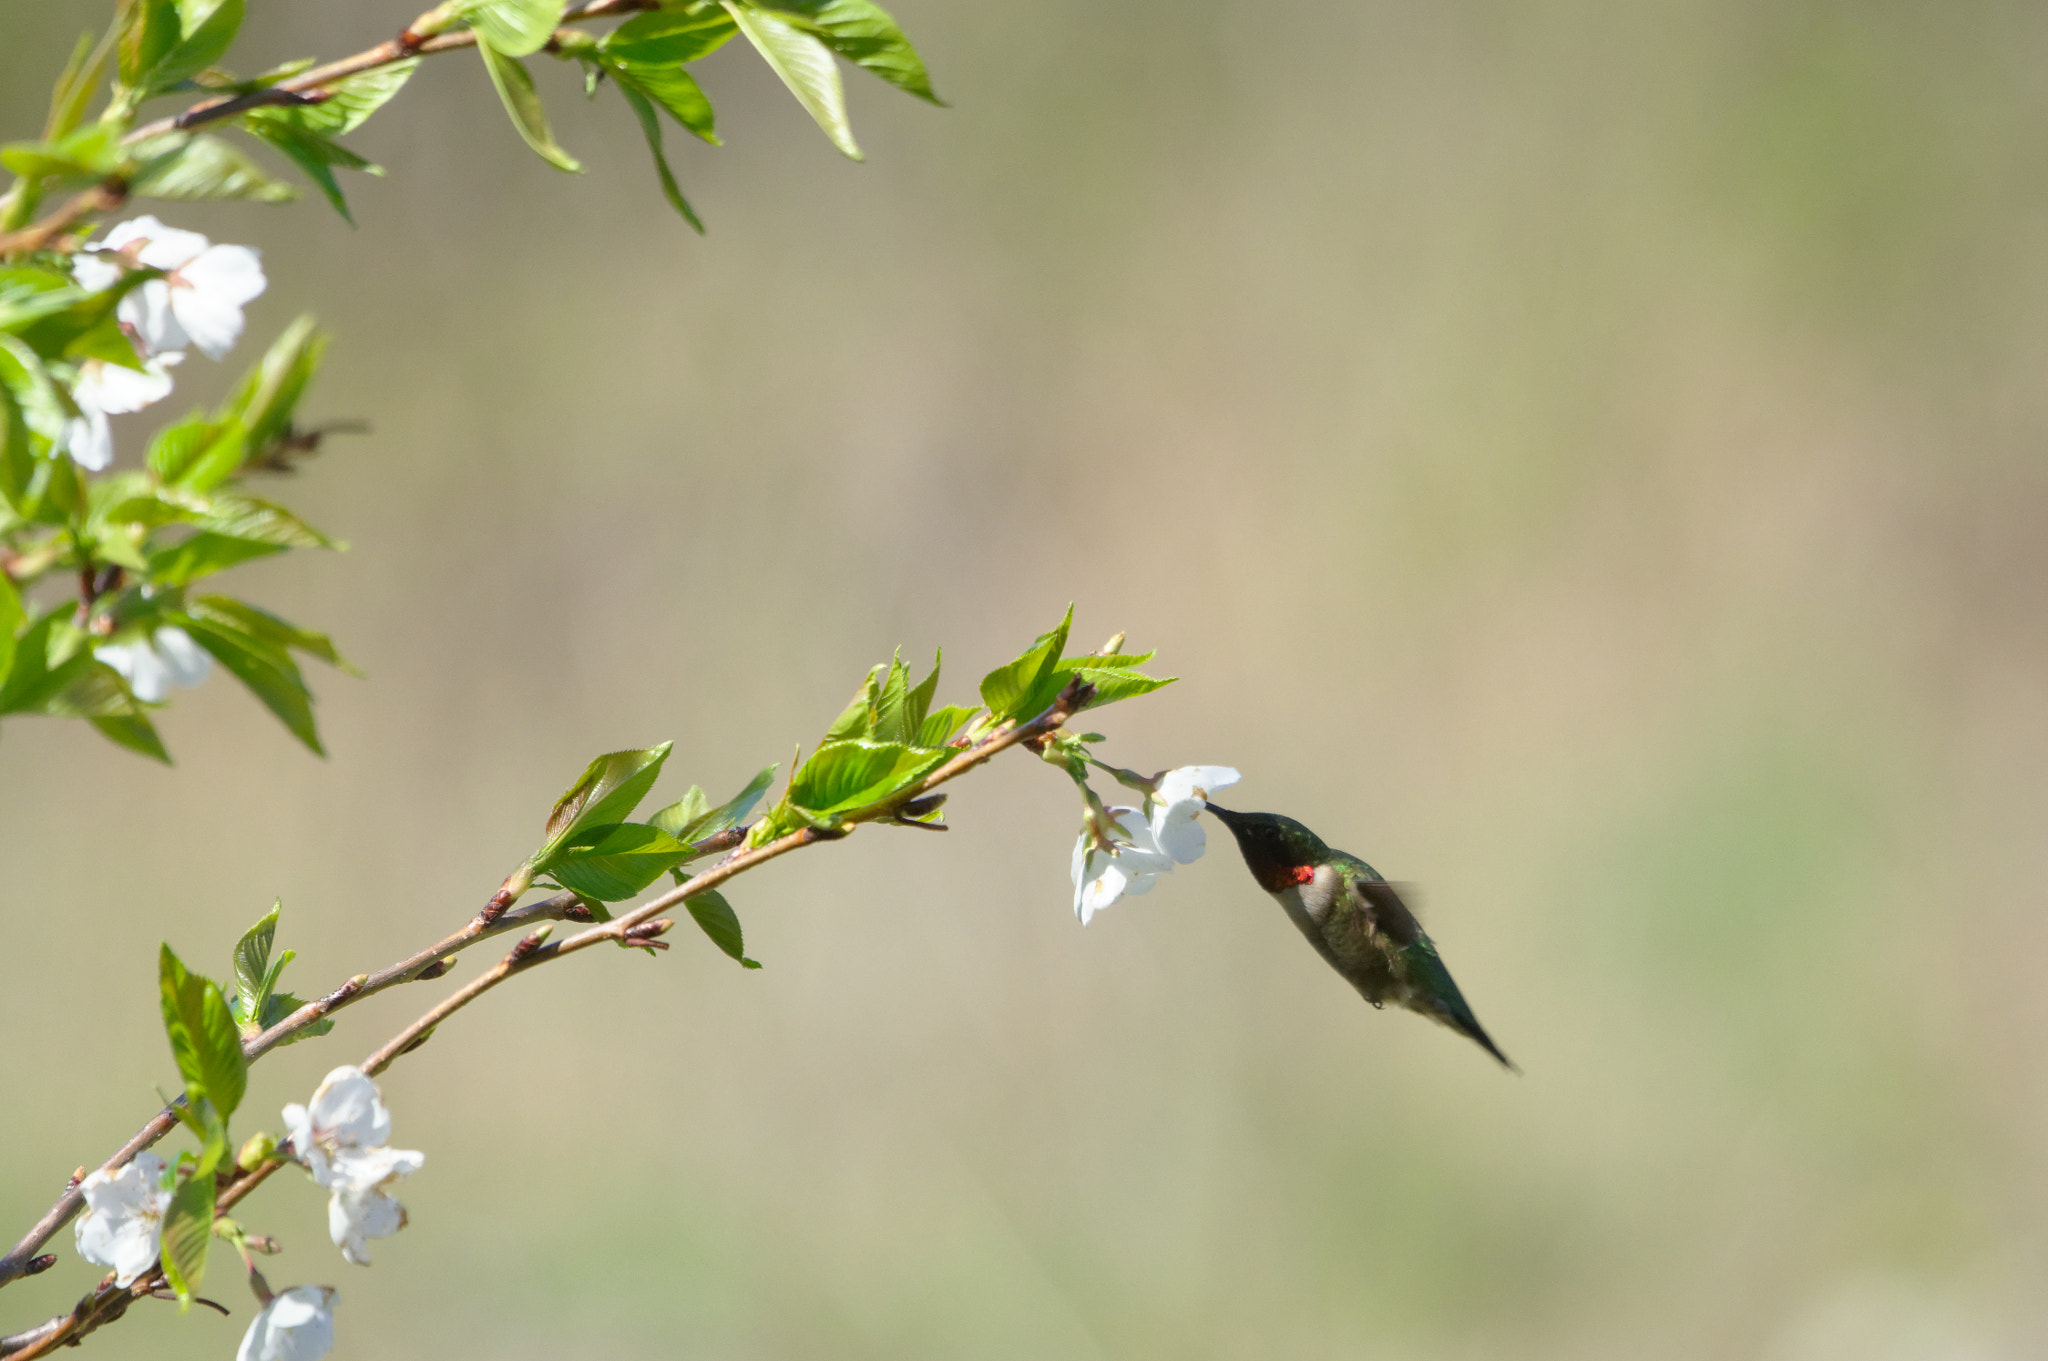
(75, 87)
(865, 35)
(252, 969)
(206, 29)
(203, 555)
(282, 1004)
(843, 776)
(940, 724)
(88, 153)
(650, 128)
(735, 809)
(712, 912)
(148, 30)
(135, 732)
(265, 668)
(314, 155)
(921, 695)
(1005, 689)
(517, 28)
(350, 102)
(203, 1036)
(674, 818)
(616, 862)
(188, 1233)
(858, 718)
(201, 166)
(522, 102)
(669, 37)
(608, 791)
(892, 705)
(12, 617)
(805, 66)
(268, 396)
(197, 452)
(267, 626)
(242, 516)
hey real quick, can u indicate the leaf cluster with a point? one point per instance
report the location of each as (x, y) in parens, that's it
(141, 541)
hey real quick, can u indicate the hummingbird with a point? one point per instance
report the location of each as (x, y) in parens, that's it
(1355, 919)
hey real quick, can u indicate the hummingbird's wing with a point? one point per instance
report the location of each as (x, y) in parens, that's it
(1389, 914)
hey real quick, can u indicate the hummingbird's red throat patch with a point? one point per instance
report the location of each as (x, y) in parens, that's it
(1301, 874)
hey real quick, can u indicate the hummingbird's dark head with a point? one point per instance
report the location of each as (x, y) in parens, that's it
(1279, 851)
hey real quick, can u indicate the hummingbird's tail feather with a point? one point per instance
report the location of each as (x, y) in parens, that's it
(1438, 998)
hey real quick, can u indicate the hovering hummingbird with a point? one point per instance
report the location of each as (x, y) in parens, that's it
(1355, 919)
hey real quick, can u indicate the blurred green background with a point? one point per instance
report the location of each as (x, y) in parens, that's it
(1584, 457)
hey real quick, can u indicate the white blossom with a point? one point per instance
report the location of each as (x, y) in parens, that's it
(1179, 797)
(1100, 878)
(104, 390)
(340, 1136)
(123, 1221)
(153, 665)
(199, 300)
(297, 1325)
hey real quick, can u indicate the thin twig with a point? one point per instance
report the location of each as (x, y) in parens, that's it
(306, 88)
(107, 1304)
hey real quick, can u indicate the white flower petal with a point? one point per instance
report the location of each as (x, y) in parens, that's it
(96, 272)
(162, 247)
(123, 1220)
(1186, 782)
(298, 1325)
(89, 440)
(148, 678)
(347, 1112)
(207, 296)
(147, 311)
(356, 1216)
(118, 390)
(185, 663)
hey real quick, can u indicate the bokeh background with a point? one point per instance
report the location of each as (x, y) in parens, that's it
(1586, 457)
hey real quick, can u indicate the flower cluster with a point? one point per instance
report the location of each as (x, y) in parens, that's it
(340, 1136)
(1122, 850)
(197, 301)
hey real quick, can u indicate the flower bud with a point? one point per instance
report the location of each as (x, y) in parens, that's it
(259, 1149)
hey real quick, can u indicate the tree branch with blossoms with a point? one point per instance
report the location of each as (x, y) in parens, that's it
(882, 761)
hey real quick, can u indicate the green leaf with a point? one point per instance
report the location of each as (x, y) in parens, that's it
(17, 453)
(268, 627)
(76, 86)
(253, 978)
(893, 722)
(678, 815)
(206, 29)
(350, 102)
(133, 731)
(265, 668)
(197, 452)
(805, 65)
(148, 30)
(610, 788)
(858, 718)
(517, 28)
(314, 155)
(12, 618)
(200, 166)
(269, 394)
(650, 127)
(619, 862)
(282, 1004)
(920, 700)
(89, 153)
(1005, 689)
(843, 776)
(242, 516)
(522, 102)
(202, 555)
(188, 1233)
(721, 923)
(865, 35)
(734, 810)
(668, 37)
(940, 724)
(203, 1036)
